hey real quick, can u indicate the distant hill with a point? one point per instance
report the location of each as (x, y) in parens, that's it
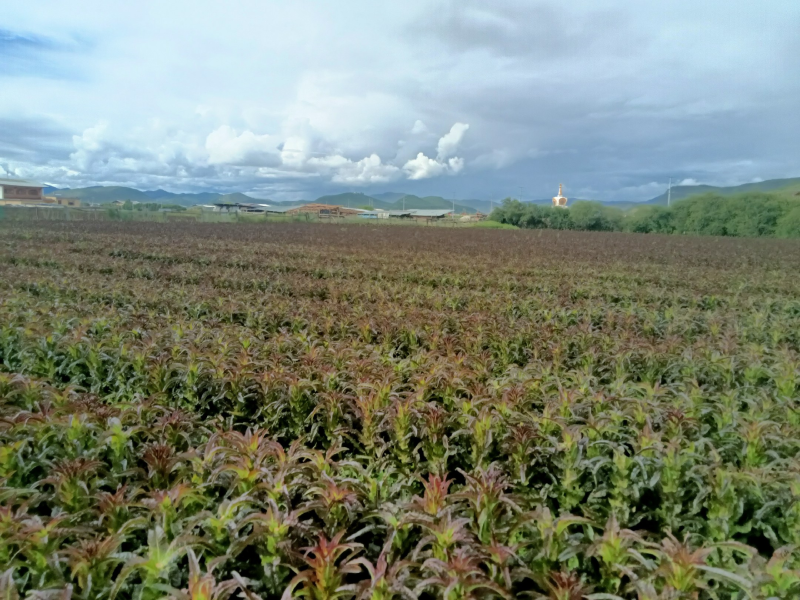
(484, 206)
(401, 201)
(197, 198)
(101, 194)
(388, 196)
(350, 199)
(104, 194)
(394, 200)
(680, 192)
(386, 201)
(159, 194)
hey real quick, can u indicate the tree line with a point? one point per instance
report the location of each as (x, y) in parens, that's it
(751, 214)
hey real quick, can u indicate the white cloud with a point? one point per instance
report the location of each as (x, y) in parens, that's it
(423, 167)
(227, 147)
(370, 169)
(448, 144)
(419, 127)
(456, 164)
(89, 144)
(367, 170)
(689, 181)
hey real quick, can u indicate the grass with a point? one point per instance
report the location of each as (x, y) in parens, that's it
(300, 410)
(493, 225)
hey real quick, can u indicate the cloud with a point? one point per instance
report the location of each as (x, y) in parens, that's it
(148, 156)
(456, 164)
(34, 140)
(227, 147)
(423, 167)
(17, 44)
(26, 54)
(419, 127)
(367, 170)
(541, 29)
(448, 143)
(90, 144)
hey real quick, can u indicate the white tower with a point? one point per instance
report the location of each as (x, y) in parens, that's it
(560, 201)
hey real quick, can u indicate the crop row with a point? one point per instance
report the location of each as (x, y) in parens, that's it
(184, 415)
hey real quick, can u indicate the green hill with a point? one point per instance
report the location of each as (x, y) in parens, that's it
(159, 194)
(105, 194)
(679, 192)
(388, 196)
(102, 194)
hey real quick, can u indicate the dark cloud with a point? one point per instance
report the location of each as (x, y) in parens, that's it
(37, 141)
(533, 30)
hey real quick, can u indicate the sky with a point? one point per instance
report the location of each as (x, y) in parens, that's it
(464, 99)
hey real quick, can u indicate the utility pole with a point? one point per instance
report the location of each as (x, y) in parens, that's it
(669, 192)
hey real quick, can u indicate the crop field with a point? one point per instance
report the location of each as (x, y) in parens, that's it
(203, 411)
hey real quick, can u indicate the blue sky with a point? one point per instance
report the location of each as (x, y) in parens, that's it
(289, 100)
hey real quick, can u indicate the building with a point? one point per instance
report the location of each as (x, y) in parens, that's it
(282, 210)
(254, 208)
(421, 214)
(560, 201)
(375, 214)
(326, 211)
(227, 207)
(19, 191)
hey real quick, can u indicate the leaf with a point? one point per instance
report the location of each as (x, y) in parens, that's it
(8, 588)
(727, 575)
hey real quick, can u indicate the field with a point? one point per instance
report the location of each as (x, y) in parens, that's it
(267, 410)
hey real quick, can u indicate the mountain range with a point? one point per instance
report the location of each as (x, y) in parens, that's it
(394, 200)
(103, 193)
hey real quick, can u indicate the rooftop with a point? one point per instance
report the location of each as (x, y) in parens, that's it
(430, 212)
(19, 182)
(420, 212)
